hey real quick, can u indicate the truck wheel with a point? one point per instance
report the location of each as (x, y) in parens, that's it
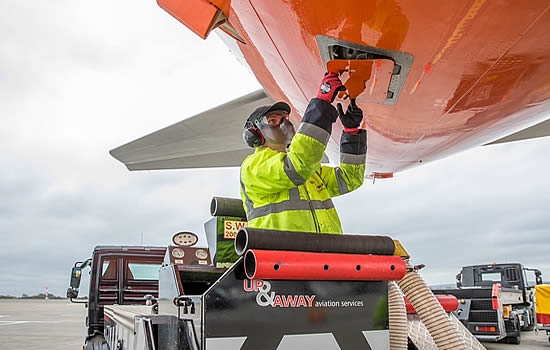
(96, 342)
(515, 339)
(529, 326)
(531, 320)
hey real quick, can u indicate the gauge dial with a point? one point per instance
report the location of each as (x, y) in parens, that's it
(185, 239)
(178, 253)
(201, 254)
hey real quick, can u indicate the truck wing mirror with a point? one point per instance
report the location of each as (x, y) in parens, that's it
(459, 280)
(76, 273)
(538, 277)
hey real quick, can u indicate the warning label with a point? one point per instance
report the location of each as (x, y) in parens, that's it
(231, 227)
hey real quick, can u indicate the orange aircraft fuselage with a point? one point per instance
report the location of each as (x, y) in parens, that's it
(480, 72)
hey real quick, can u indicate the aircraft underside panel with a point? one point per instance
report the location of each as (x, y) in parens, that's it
(479, 70)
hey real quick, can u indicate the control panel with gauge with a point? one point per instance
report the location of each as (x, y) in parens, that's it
(183, 252)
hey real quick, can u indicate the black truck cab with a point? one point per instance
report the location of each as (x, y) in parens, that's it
(508, 275)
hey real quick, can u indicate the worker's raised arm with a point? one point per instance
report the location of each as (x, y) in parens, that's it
(353, 155)
(306, 150)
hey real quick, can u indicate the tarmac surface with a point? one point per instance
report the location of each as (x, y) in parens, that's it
(42, 324)
(529, 341)
(60, 325)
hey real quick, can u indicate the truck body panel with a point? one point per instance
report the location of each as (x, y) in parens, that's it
(255, 314)
(495, 301)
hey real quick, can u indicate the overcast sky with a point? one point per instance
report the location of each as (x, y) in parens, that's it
(78, 78)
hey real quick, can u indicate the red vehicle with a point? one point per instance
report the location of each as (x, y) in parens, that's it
(118, 275)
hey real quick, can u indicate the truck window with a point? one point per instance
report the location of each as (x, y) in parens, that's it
(109, 269)
(530, 278)
(490, 276)
(105, 266)
(143, 271)
(107, 293)
(141, 278)
(512, 275)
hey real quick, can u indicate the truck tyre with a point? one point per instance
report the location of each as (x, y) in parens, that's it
(515, 338)
(528, 323)
(532, 319)
(96, 342)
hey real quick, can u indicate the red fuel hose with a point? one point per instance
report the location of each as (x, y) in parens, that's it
(449, 303)
(289, 265)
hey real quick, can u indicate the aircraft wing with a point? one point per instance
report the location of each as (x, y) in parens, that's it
(210, 139)
(538, 130)
(206, 140)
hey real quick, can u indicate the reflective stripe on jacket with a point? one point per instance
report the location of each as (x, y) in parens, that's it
(292, 191)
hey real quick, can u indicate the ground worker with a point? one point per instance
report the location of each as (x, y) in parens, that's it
(287, 188)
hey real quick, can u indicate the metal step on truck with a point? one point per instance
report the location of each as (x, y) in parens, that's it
(496, 301)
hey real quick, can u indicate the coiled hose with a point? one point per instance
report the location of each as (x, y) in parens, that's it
(431, 313)
(398, 317)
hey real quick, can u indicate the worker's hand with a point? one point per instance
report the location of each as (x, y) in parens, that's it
(352, 118)
(330, 86)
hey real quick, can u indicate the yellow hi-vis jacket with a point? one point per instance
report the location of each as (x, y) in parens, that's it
(292, 191)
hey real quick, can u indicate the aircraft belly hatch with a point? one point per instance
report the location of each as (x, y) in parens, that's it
(365, 80)
(335, 49)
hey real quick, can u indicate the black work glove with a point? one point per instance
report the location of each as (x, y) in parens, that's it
(352, 118)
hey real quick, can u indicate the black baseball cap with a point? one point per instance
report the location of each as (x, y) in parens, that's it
(263, 110)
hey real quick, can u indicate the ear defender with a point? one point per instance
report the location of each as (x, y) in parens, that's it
(253, 137)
